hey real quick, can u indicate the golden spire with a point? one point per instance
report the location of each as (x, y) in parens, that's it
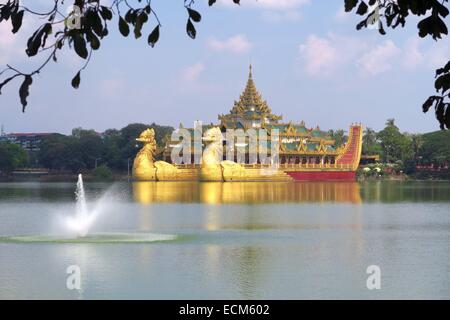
(251, 101)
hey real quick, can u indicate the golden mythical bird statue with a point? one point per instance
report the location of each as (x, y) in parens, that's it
(143, 167)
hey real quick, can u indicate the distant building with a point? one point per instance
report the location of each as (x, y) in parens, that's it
(28, 141)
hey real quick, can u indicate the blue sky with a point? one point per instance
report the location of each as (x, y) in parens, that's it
(308, 61)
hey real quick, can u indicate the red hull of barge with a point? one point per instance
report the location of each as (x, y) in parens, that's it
(323, 175)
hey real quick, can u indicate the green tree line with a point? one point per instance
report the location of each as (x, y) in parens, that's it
(115, 149)
(405, 148)
(83, 149)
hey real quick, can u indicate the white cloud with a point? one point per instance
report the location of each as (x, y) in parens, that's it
(413, 57)
(323, 55)
(190, 80)
(319, 54)
(192, 73)
(379, 59)
(236, 44)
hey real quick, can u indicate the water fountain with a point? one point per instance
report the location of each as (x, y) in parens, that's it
(83, 219)
(77, 227)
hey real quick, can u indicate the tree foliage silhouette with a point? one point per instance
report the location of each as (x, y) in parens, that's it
(82, 30)
(394, 13)
(131, 16)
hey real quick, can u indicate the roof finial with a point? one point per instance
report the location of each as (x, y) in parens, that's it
(250, 71)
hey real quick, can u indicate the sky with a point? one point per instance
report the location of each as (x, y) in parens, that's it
(309, 62)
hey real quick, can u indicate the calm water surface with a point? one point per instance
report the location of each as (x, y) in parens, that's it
(232, 240)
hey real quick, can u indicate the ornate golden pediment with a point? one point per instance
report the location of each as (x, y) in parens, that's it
(321, 148)
(302, 147)
(290, 129)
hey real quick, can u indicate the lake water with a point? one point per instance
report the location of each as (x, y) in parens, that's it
(228, 240)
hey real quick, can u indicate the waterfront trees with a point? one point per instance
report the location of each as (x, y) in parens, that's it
(11, 156)
(371, 145)
(435, 147)
(394, 144)
(115, 149)
(86, 149)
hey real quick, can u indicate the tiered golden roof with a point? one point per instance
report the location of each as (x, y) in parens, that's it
(251, 99)
(251, 105)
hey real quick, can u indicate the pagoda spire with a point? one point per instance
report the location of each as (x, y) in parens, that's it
(251, 105)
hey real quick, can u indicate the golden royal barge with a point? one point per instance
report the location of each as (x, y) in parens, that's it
(303, 153)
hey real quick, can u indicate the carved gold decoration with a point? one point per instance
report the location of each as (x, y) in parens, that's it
(212, 155)
(250, 101)
(143, 166)
(290, 129)
(302, 147)
(321, 148)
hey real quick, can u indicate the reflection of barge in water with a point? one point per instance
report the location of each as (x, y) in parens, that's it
(246, 192)
(303, 154)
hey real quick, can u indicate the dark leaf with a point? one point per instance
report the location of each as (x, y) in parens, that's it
(106, 13)
(76, 80)
(35, 41)
(16, 20)
(123, 27)
(47, 31)
(441, 9)
(381, 29)
(93, 40)
(131, 16)
(141, 19)
(190, 29)
(433, 26)
(24, 91)
(447, 67)
(362, 8)
(429, 103)
(447, 117)
(442, 83)
(440, 112)
(5, 12)
(80, 46)
(153, 36)
(194, 15)
(360, 25)
(211, 2)
(94, 21)
(350, 4)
